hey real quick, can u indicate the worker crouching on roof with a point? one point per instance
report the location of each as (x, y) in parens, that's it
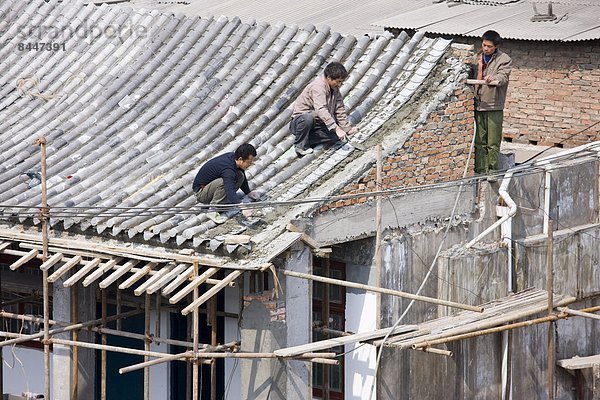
(319, 115)
(219, 179)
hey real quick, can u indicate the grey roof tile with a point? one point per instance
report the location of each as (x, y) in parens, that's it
(146, 113)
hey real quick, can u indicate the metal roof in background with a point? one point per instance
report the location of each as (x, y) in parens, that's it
(575, 20)
(353, 17)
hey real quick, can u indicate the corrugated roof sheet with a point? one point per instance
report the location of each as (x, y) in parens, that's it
(353, 17)
(574, 21)
(136, 101)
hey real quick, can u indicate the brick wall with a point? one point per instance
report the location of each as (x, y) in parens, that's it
(435, 152)
(554, 92)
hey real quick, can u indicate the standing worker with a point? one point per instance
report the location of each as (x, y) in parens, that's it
(492, 66)
(319, 115)
(219, 179)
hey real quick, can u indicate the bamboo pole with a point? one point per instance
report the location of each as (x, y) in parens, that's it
(75, 338)
(578, 313)
(383, 290)
(435, 350)
(44, 211)
(195, 338)
(147, 346)
(114, 349)
(145, 364)
(304, 356)
(378, 237)
(103, 350)
(550, 290)
(212, 305)
(497, 329)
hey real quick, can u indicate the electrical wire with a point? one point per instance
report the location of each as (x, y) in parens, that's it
(8, 211)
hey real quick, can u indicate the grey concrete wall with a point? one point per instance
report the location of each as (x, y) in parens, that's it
(480, 275)
(262, 378)
(271, 378)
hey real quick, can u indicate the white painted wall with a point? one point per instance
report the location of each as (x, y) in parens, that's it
(232, 368)
(360, 364)
(159, 375)
(23, 370)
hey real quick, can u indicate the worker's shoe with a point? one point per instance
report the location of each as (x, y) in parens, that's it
(302, 152)
(216, 217)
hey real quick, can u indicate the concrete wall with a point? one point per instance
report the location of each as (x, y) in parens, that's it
(480, 275)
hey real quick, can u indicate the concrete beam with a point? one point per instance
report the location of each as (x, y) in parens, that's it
(358, 221)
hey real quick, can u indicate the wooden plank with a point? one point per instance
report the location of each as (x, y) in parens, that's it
(64, 268)
(138, 275)
(341, 341)
(90, 265)
(51, 261)
(166, 278)
(21, 261)
(211, 292)
(159, 274)
(119, 272)
(107, 266)
(579, 362)
(197, 281)
(178, 281)
(128, 252)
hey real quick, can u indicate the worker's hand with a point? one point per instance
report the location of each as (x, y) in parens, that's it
(247, 212)
(341, 134)
(489, 78)
(254, 196)
(352, 131)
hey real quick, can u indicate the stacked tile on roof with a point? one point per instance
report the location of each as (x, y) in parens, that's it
(138, 100)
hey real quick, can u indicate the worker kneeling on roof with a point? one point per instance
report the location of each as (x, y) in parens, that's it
(219, 179)
(319, 115)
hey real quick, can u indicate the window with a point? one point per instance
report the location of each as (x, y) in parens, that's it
(329, 307)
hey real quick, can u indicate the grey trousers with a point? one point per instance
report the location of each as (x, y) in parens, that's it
(310, 131)
(214, 192)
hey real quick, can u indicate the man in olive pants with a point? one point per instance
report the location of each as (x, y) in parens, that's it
(492, 66)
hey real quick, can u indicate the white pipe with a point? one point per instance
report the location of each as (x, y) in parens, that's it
(547, 182)
(512, 209)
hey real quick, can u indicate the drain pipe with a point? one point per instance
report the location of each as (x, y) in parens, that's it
(507, 213)
(512, 210)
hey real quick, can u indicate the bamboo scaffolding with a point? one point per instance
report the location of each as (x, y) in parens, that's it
(75, 338)
(578, 313)
(103, 354)
(114, 349)
(383, 290)
(147, 346)
(195, 338)
(145, 364)
(44, 216)
(108, 331)
(81, 325)
(550, 290)
(435, 350)
(497, 329)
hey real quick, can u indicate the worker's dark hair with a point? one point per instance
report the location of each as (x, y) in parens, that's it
(244, 152)
(335, 70)
(493, 37)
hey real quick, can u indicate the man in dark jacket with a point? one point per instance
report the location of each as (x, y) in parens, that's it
(219, 179)
(492, 66)
(319, 114)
